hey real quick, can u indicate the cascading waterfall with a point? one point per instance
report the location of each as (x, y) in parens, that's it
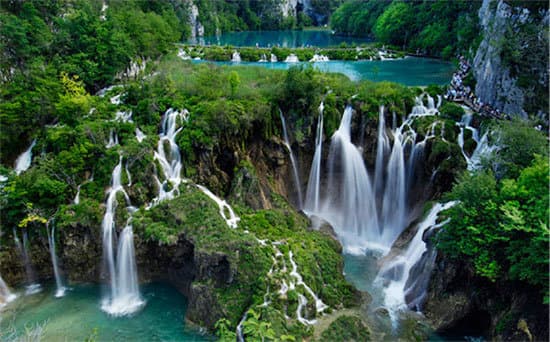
(295, 172)
(60, 291)
(236, 57)
(23, 162)
(365, 216)
(170, 164)
(113, 139)
(124, 295)
(350, 205)
(6, 295)
(381, 151)
(314, 183)
(32, 285)
(226, 212)
(403, 286)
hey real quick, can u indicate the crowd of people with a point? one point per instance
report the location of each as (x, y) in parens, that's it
(459, 92)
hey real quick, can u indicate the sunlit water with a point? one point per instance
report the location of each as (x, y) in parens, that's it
(76, 316)
(290, 39)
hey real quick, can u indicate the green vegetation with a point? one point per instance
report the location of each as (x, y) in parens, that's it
(500, 226)
(346, 328)
(436, 28)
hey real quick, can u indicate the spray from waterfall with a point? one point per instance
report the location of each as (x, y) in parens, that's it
(295, 172)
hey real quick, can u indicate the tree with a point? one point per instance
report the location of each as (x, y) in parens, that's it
(393, 26)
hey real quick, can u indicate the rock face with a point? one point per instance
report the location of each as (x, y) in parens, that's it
(461, 304)
(496, 72)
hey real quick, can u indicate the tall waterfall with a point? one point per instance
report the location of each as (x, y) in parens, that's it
(350, 205)
(314, 183)
(366, 216)
(32, 285)
(402, 285)
(295, 172)
(23, 162)
(170, 163)
(124, 297)
(6, 295)
(60, 292)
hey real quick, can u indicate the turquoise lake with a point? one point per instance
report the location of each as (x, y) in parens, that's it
(410, 71)
(77, 316)
(290, 39)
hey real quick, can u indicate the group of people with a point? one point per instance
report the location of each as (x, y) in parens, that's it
(459, 92)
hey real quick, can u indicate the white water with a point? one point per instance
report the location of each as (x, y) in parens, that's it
(113, 139)
(295, 172)
(226, 211)
(273, 58)
(236, 57)
(76, 199)
(23, 162)
(292, 58)
(350, 206)
(319, 305)
(363, 216)
(170, 162)
(123, 116)
(60, 291)
(124, 297)
(319, 58)
(140, 135)
(313, 192)
(6, 295)
(397, 271)
(32, 286)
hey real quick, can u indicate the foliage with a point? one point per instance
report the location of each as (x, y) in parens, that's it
(501, 228)
(346, 328)
(439, 28)
(451, 111)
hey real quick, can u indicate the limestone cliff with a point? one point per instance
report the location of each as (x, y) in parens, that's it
(507, 65)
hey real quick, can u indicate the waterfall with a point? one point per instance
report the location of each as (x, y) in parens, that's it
(292, 58)
(351, 208)
(393, 204)
(226, 212)
(314, 182)
(113, 139)
(273, 58)
(76, 199)
(32, 287)
(60, 292)
(124, 295)
(236, 57)
(295, 173)
(6, 295)
(140, 135)
(365, 216)
(23, 162)
(396, 273)
(383, 146)
(171, 163)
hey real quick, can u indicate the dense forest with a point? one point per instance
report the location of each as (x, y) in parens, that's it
(201, 163)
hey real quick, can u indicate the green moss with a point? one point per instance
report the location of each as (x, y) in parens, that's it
(346, 328)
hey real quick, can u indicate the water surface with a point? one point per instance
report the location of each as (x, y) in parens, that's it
(410, 71)
(78, 316)
(290, 39)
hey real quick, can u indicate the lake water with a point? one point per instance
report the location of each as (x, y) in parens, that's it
(78, 316)
(410, 71)
(288, 39)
